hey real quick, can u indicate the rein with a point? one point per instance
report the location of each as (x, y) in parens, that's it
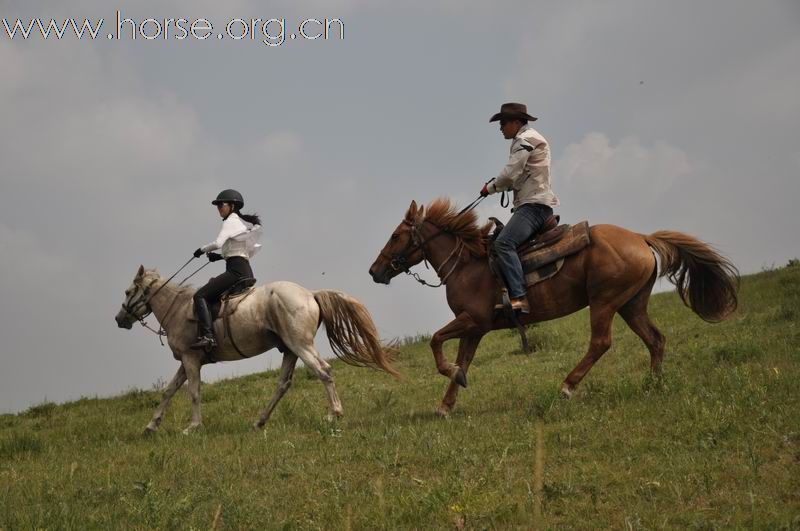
(160, 332)
(167, 282)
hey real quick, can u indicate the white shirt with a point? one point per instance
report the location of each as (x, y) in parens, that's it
(528, 170)
(236, 238)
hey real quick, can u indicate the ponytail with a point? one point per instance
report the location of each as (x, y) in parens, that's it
(250, 218)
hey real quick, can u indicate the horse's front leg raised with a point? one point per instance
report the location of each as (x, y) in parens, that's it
(191, 365)
(461, 326)
(169, 391)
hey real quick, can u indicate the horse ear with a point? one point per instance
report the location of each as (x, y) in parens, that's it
(412, 211)
(420, 214)
(140, 273)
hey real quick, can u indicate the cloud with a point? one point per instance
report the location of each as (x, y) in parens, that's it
(30, 263)
(603, 170)
(100, 129)
(549, 57)
(112, 151)
(279, 146)
(759, 89)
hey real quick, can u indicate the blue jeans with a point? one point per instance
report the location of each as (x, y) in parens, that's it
(527, 219)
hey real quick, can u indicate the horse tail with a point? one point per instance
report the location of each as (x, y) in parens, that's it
(352, 333)
(706, 281)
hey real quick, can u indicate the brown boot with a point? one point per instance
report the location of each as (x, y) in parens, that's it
(520, 305)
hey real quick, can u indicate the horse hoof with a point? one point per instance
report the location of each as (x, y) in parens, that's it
(566, 393)
(461, 377)
(443, 411)
(191, 428)
(257, 426)
(148, 430)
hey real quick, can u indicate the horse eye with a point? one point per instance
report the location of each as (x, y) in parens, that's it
(395, 236)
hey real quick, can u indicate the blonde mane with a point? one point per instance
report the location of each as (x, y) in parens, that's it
(186, 289)
(442, 213)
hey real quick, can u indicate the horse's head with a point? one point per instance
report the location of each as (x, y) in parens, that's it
(401, 251)
(136, 305)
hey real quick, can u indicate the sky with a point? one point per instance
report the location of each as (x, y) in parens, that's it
(661, 115)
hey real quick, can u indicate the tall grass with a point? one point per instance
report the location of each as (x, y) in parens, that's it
(713, 443)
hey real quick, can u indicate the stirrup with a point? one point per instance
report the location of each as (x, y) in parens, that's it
(515, 307)
(518, 307)
(206, 343)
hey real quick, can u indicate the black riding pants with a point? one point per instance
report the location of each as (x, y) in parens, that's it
(236, 268)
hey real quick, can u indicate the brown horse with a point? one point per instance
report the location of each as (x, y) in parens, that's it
(614, 274)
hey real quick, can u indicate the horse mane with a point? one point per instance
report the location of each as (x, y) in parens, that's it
(186, 289)
(444, 214)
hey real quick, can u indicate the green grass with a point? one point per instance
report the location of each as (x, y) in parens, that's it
(713, 444)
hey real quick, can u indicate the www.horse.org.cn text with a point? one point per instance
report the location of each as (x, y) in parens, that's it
(269, 31)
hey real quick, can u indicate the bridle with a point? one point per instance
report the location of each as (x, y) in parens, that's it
(399, 261)
(144, 301)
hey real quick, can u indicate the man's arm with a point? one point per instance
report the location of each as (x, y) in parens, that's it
(513, 169)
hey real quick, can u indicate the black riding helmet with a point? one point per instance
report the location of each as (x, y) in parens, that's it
(229, 196)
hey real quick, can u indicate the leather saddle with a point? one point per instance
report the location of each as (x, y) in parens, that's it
(549, 233)
(242, 286)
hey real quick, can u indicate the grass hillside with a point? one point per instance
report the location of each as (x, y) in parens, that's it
(714, 443)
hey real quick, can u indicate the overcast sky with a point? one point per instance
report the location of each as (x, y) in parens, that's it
(661, 115)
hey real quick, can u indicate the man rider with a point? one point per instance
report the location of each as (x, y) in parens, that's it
(527, 173)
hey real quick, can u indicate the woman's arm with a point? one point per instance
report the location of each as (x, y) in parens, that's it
(231, 227)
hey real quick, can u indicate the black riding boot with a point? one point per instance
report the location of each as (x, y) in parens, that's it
(205, 340)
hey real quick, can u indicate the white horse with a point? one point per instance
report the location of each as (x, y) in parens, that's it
(280, 314)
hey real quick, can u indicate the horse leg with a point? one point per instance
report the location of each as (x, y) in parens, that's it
(284, 383)
(321, 370)
(192, 366)
(636, 317)
(601, 317)
(169, 391)
(466, 351)
(461, 326)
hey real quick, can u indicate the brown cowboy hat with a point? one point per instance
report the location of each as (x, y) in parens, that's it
(511, 111)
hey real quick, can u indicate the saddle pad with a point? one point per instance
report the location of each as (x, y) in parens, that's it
(543, 273)
(537, 275)
(575, 238)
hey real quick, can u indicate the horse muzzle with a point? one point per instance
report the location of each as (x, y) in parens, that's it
(122, 320)
(379, 278)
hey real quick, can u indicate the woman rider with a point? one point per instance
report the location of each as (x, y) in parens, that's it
(237, 243)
